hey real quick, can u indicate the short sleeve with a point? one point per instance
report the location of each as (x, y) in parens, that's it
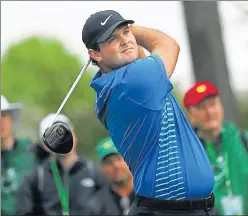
(146, 82)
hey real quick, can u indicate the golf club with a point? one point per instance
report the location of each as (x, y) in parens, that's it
(58, 136)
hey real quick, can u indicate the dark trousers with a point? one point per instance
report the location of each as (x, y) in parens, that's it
(154, 207)
(139, 210)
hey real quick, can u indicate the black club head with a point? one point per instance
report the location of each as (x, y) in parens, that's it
(58, 138)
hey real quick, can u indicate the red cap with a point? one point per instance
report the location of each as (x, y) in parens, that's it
(198, 92)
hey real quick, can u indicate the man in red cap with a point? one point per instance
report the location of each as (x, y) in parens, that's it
(225, 145)
(198, 99)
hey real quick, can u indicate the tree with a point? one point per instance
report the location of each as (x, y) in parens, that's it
(39, 72)
(43, 69)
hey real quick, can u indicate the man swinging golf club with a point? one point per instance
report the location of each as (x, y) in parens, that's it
(172, 173)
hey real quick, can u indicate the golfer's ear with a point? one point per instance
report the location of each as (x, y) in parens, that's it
(95, 55)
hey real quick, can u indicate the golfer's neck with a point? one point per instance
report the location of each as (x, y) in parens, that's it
(8, 143)
(104, 70)
(68, 161)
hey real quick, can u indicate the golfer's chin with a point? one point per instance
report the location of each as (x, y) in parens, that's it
(129, 58)
(131, 54)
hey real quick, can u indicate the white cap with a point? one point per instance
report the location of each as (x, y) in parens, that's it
(45, 122)
(13, 108)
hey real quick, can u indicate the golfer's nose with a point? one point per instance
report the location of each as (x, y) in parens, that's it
(124, 40)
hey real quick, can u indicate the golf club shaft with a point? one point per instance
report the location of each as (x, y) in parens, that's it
(70, 91)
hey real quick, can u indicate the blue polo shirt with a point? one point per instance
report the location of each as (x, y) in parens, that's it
(151, 132)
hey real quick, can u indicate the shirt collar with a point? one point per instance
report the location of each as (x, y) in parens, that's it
(99, 80)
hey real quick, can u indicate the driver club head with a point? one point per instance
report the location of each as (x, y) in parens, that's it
(58, 138)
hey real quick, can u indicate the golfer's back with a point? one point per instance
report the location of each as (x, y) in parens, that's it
(152, 133)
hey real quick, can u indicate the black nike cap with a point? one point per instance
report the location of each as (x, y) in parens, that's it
(99, 26)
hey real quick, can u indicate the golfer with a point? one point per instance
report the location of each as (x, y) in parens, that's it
(172, 173)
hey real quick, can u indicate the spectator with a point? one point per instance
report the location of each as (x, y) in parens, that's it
(16, 160)
(225, 144)
(41, 152)
(116, 199)
(62, 184)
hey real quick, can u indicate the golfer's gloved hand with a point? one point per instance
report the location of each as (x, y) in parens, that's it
(58, 138)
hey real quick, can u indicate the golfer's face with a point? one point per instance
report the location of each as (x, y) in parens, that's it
(208, 114)
(6, 125)
(115, 168)
(120, 49)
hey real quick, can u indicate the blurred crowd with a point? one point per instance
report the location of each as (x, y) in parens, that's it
(36, 181)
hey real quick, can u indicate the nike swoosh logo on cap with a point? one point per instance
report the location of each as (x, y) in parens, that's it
(106, 20)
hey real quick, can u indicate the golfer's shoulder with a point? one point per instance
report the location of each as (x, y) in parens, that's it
(145, 72)
(144, 69)
(143, 83)
(153, 62)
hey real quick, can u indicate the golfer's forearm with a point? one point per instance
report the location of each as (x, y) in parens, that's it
(149, 38)
(158, 43)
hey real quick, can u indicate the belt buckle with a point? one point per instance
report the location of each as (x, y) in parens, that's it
(208, 206)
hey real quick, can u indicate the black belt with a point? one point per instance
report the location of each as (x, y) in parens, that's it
(176, 205)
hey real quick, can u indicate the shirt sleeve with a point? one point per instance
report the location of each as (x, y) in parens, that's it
(146, 82)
